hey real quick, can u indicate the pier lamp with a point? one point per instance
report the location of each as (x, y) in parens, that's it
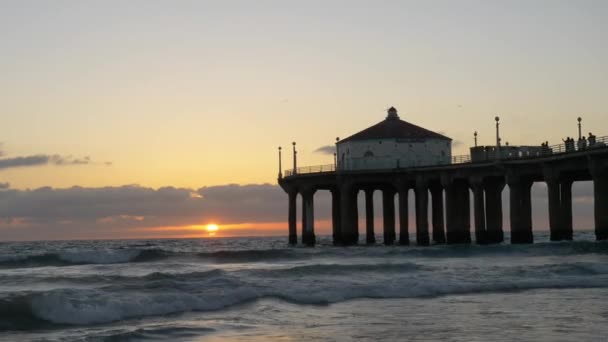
(579, 127)
(336, 154)
(295, 163)
(497, 119)
(280, 168)
(475, 135)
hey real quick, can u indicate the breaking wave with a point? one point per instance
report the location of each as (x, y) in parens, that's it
(82, 257)
(166, 293)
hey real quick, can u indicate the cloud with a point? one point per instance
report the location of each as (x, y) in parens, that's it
(79, 212)
(4, 186)
(328, 149)
(44, 159)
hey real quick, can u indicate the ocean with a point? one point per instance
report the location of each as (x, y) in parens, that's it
(259, 289)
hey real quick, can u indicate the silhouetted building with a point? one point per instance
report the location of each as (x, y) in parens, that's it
(393, 143)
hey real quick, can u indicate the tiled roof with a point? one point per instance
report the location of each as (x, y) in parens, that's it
(394, 128)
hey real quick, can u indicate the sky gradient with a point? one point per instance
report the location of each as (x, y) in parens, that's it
(130, 97)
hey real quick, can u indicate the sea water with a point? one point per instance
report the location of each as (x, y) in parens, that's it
(256, 289)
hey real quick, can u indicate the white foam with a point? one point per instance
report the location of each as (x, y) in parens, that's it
(180, 294)
(82, 307)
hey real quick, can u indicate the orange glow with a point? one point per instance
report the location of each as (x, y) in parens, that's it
(225, 230)
(212, 229)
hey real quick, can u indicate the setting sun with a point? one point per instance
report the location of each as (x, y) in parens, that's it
(212, 228)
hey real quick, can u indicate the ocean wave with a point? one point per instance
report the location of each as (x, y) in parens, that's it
(261, 255)
(131, 254)
(340, 269)
(161, 293)
(82, 257)
(552, 270)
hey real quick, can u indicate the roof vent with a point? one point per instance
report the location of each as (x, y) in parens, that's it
(392, 114)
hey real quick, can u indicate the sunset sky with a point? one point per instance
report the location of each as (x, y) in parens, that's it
(154, 118)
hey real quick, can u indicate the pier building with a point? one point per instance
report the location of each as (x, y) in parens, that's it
(412, 158)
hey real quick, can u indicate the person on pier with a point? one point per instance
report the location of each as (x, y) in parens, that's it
(582, 143)
(569, 142)
(545, 149)
(591, 140)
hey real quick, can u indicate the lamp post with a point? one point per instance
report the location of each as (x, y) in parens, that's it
(295, 163)
(280, 168)
(475, 135)
(497, 119)
(336, 153)
(335, 161)
(579, 128)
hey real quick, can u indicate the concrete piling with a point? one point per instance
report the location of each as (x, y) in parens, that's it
(370, 237)
(388, 206)
(422, 222)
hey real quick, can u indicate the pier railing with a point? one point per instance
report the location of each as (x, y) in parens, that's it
(311, 169)
(481, 154)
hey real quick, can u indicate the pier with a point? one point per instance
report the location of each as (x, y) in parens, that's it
(483, 174)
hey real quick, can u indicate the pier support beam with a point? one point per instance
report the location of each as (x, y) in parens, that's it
(336, 217)
(457, 211)
(370, 237)
(566, 209)
(554, 197)
(520, 210)
(422, 221)
(308, 217)
(388, 206)
(349, 214)
(450, 212)
(404, 234)
(599, 172)
(293, 230)
(559, 193)
(493, 196)
(600, 188)
(422, 214)
(437, 214)
(479, 211)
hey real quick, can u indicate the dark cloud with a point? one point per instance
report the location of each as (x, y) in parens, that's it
(43, 159)
(328, 149)
(4, 186)
(78, 211)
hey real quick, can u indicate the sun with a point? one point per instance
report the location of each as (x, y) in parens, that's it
(212, 228)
